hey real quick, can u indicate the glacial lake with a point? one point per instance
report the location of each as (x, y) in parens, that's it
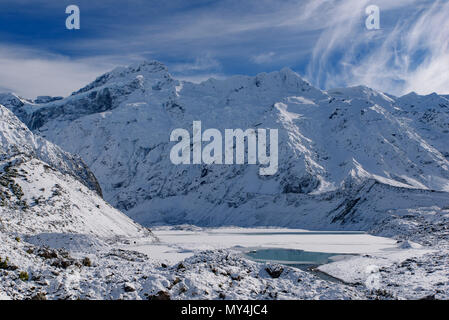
(295, 247)
(295, 258)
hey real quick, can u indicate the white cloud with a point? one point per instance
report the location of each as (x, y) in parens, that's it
(30, 73)
(202, 63)
(263, 58)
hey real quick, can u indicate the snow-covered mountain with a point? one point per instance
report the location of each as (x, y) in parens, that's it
(44, 189)
(348, 158)
(61, 240)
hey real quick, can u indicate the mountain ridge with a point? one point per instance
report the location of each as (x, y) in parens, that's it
(330, 144)
(18, 140)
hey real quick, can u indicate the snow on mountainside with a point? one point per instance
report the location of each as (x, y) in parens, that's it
(61, 240)
(349, 158)
(429, 115)
(42, 190)
(339, 150)
(16, 139)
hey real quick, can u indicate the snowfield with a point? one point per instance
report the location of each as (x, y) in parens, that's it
(77, 172)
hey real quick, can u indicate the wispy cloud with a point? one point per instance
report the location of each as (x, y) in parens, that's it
(263, 58)
(202, 63)
(410, 53)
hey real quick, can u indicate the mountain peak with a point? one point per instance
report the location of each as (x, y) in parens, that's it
(149, 65)
(285, 74)
(11, 99)
(125, 75)
(137, 68)
(289, 72)
(121, 125)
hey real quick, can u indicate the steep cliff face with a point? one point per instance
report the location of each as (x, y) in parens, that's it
(333, 146)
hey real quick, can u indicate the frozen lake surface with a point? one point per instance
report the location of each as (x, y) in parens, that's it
(178, 243)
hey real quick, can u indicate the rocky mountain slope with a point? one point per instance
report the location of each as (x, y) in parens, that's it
(61, 240)
(45, 189)
(349, 158)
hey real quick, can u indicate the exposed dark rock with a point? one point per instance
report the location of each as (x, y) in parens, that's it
(160, 296)
(274, 271)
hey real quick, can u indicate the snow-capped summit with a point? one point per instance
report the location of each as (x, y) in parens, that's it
(132, 75)
(107, 92)
(338, 149)
(11, 100)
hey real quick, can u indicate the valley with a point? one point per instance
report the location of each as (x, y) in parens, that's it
(91, 207)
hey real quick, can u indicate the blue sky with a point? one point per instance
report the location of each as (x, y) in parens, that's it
(325, 41)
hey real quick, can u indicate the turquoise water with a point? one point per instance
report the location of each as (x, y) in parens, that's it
(291, 256)
(304, 260)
